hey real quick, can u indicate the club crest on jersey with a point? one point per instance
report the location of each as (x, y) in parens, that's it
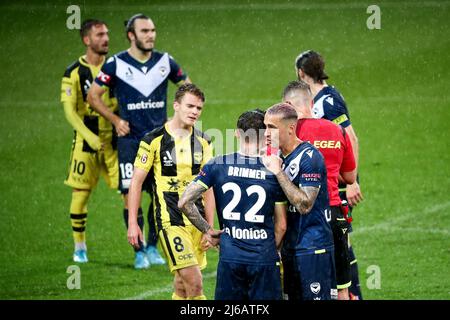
(315, 287)
(68, 92)
(163, 70)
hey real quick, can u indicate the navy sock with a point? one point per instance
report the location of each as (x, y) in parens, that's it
(355, 288)
(140, 220)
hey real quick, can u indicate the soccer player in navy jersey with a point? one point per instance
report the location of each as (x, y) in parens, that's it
(335, 146)
(330, 104)
(251, 208)
(308, 249)
(139, 77)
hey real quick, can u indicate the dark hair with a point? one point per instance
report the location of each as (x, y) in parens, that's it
(313, 64)
(285, 110)
(87, 25)
(129, 24)
(252, 119)
(297, 85)
(189, 88)
(251, 126)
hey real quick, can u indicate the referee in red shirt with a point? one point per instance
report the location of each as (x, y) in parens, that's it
(336, 148)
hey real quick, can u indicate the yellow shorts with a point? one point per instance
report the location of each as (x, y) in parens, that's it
(86, 165)
(182, 247)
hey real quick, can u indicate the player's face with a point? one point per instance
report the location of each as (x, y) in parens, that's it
(189, 109)
(145, 34)
(273, 130)
(98, 39)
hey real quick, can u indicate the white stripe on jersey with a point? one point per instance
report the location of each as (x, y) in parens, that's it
(317, 110)
(145, 83)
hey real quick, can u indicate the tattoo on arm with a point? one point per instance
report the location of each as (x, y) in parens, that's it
(187, 204)
(302, 198)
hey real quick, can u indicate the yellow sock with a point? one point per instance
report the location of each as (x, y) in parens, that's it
(177, 297)
(202, 297)
(78, 217)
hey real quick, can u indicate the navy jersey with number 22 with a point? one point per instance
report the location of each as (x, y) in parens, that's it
(245, 193)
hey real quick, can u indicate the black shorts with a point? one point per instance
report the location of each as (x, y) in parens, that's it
(127, 149)
(340, 227)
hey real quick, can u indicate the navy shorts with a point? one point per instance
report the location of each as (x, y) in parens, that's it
(127, 149)
(239, 281)
(310, 276)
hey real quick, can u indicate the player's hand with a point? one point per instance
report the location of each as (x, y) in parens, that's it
(205, 244)
(122, 128)
(135, 235)
(272, 163)
(213, 237)
(354, 195)
(94, 142)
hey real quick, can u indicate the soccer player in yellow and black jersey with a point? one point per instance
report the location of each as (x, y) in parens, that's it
(94, 145)
(174, 154)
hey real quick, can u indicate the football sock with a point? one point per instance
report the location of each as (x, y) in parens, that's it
(202, 297)
(78, 217)
(177, 297)
(140, 220)
(355, 288)
(152, 236)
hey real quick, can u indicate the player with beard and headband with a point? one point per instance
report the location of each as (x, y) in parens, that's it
(139, 77)
(94, 149)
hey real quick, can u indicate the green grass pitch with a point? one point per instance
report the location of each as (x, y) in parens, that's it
(395, 81)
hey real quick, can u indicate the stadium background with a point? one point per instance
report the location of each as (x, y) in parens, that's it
(395, 81)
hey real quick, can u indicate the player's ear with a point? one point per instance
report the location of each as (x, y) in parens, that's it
(292, 127)
(176, 105)
(237, 133)
(86, 40)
